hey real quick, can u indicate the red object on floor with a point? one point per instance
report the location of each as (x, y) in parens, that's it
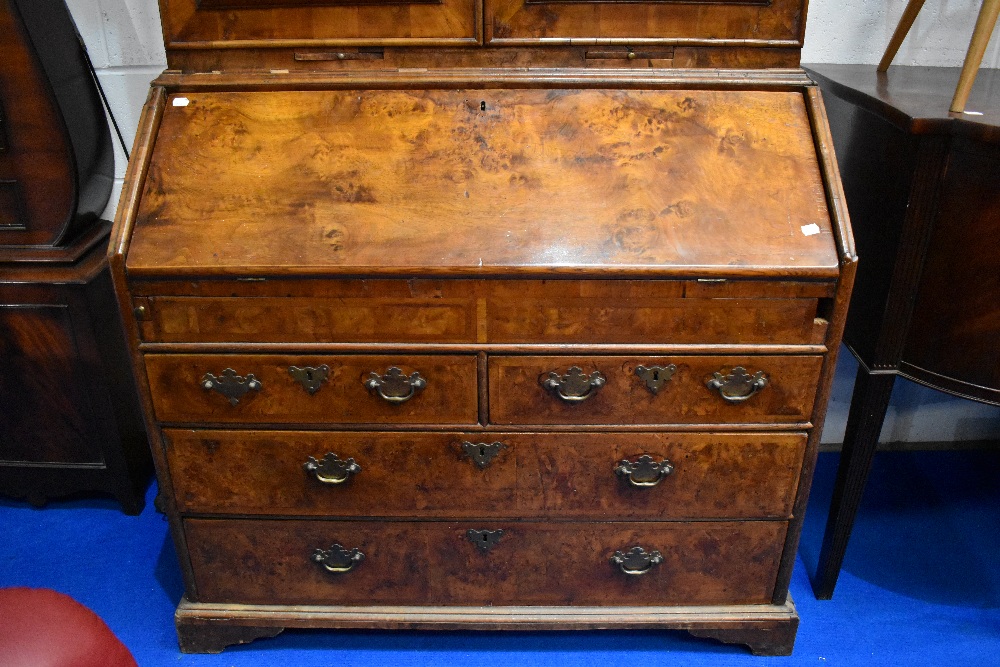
(43, 628)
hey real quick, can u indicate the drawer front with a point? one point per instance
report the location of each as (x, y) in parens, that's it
(308, 319)
(508, 475)
(653, 390)
(662, 321)
(500, 311)
(438, 562)
(190, 388)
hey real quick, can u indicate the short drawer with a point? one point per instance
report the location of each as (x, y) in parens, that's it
(445, 562)
(657, 313)
(389, 317)
(653, 390)
(344, 389)
(500, 475)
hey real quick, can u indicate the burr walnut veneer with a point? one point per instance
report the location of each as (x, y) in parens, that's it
(473, 345)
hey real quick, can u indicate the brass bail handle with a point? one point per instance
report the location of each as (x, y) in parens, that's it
(332, 469)
(574, 386)
(394, 386)
(644, 472)
(337, 559)
(636, 561)
(738, 385)
(234, 387)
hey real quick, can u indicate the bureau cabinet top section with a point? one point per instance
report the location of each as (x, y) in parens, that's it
(484, 182)
(221, 24)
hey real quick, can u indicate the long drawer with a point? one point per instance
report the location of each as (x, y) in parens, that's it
(441, 562)
(501, 475)
(347, 389)
(483, 311)
(660, 390)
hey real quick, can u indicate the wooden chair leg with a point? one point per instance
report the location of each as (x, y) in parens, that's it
(974, 57)
(905, 23)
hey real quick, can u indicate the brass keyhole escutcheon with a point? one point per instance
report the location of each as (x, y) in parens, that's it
(484, 539)
(482, 453)
(310, 377)
(656, 377)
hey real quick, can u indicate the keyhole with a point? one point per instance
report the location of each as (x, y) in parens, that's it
(485, 539)
(482, 451)
(482, 105)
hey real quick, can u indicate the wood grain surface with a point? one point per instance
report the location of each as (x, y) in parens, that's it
(191, 23)
(44, 387)
(533, 475)
(487, 311)
(526, 21)
(517, 396)
(740, 58)
(485, 182)
(38, 187)
(178, 395)
(433, 562)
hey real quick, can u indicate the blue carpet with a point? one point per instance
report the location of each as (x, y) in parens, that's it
(920, 586)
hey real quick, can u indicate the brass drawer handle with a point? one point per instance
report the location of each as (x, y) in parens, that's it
(636, 561)
(574, 386)
(332, 470)
(337, 559)
(395, 386)
(645, 472)
(738, 385)
(310, 377)
(482, 453)
(232, 386)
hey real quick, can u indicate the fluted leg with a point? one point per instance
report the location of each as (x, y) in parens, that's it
(864, 423)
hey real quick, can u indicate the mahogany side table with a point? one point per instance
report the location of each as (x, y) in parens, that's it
(923, 189)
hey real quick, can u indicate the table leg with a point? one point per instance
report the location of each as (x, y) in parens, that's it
(864, 423)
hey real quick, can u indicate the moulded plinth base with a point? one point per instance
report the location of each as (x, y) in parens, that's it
(210, 627)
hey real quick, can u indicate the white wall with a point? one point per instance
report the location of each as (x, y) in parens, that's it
(857, 31)
(125, 43)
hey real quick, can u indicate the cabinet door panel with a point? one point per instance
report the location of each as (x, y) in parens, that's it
(709, 21)
(305, 23)
(43, 403)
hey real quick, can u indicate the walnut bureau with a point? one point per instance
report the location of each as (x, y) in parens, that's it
(429, 338)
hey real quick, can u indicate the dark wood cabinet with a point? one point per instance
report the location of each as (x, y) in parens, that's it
(923, 187)
(517, 335)
(70, 418)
